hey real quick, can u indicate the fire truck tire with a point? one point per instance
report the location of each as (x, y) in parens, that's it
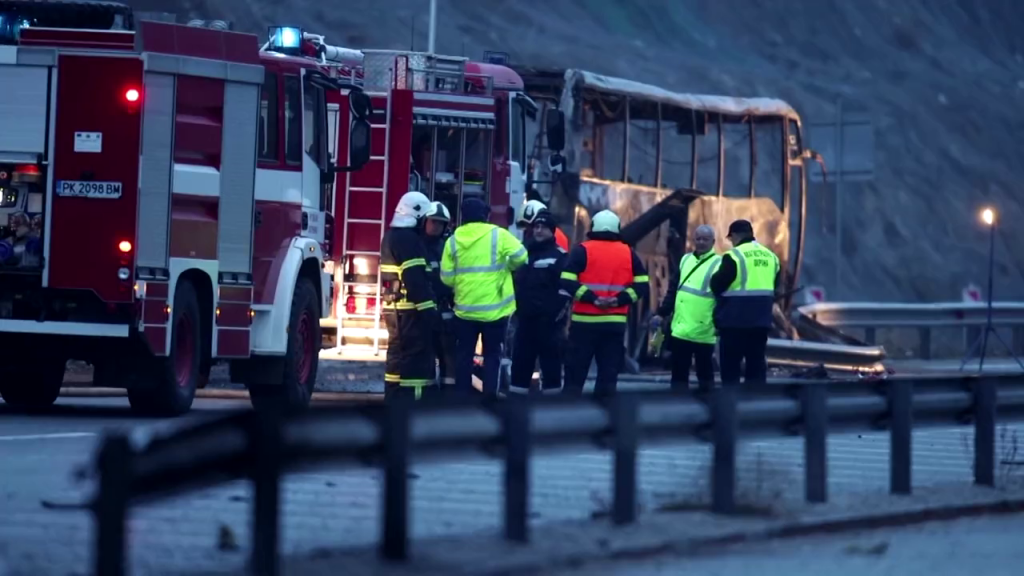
(173, 380)
(34, 384)
(301, 359)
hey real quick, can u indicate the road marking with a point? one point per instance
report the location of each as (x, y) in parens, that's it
(55, 436)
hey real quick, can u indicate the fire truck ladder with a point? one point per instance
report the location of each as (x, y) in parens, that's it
(379, 187)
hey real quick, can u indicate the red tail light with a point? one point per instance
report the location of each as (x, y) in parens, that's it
(124, 246)
(132, 95)
(350, 305)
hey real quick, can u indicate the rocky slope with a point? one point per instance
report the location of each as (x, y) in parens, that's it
(943, 81)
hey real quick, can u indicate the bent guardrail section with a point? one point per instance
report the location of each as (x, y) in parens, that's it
(263, 447)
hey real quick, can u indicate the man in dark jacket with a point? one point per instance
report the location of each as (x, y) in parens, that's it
(408, 308)
(435, 234)
(744, 288)
(541, 309)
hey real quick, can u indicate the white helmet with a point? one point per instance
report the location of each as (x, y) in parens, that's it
(438, 211)
(605, 221)
(529, 212)
(412, 207)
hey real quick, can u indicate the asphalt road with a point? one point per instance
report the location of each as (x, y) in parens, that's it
(987, 545)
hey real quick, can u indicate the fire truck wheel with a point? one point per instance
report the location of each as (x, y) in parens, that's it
(35, 384)
(300, 361)
(172, 387)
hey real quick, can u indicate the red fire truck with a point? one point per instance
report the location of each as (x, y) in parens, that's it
(445, 126)
(165, 203)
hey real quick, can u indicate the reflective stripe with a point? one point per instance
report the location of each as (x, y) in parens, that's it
(412, 263)
(632, 294)
(544, 262)
(448, 381)
(485, 307)
(580, 292)
(705, 286)
(426, 305)
(606, 287)
(418, 383)
(603, 318)
(447, 315)
(569, 276)
(433, 265)
(639, 279)
(390, 268)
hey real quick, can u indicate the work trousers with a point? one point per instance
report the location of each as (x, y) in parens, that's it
(444, 349)
(466, 334)
(590, 341)
(739, 345)
(409, 368)
(537, 338)
(686, 353)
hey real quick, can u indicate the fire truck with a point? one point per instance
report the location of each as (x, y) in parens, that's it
(166, 197)
(445, 126)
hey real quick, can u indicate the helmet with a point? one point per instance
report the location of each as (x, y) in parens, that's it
(605, 221)
(412, 207)
(529, 211)
(438, 211)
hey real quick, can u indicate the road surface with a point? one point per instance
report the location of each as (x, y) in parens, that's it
(986, 545)
(330, 508)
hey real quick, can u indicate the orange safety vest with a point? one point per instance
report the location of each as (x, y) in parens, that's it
(609, 271)
(562, 240)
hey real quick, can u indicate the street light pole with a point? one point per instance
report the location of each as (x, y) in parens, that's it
(432, 31)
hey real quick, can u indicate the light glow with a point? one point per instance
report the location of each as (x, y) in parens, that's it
(988, 216)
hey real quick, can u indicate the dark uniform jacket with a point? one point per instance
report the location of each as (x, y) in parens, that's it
(405, 282)
(538, 292)
(743, 312)
(444, 295)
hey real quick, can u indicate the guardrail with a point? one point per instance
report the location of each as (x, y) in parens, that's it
(924, 317)
(263, 447)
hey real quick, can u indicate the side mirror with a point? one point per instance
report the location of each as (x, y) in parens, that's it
(555, 130)
(361, 108)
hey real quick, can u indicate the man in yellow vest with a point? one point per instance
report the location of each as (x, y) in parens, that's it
(691, 304)
(477, 263)
(744, 287)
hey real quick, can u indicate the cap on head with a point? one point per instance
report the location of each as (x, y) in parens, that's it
(438, 211)
(475, 210)
(412, 207)
(741, 227)
(605, 221)
(545, 218)
(529, 212)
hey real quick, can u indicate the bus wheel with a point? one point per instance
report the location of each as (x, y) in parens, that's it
(34, 384)
(301, 359)
(172, 387)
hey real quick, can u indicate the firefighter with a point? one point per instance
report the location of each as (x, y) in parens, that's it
(604, 276)
(528, 212)
(691, 304)
(409, 310)
(477, 263)
(435, 228)
(744, 287)
(541, 308)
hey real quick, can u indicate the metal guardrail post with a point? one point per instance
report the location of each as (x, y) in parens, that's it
(814, 405)
(110, 508)
(925, 341)
(624, 426)
(901, 427)
(985, 403)
(265, 444)
(723, 469)
(517, 468)
(394, 430)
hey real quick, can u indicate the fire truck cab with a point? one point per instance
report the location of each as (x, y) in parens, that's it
(163, 206)
(442, 125)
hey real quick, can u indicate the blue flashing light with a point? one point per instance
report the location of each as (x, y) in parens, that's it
(285, 38)
(499, 58)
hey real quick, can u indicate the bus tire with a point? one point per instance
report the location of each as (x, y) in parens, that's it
(33, 385)
(301, 359)
(172, 387)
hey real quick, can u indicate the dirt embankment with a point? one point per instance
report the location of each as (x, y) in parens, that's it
(943, 83)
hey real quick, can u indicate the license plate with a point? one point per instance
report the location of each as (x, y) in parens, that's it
(81, 189)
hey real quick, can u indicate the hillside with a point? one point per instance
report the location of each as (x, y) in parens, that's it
(942, 80)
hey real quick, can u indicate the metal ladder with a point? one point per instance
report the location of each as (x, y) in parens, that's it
(348, 254)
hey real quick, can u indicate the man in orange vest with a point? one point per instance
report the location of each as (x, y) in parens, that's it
(605, 277)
